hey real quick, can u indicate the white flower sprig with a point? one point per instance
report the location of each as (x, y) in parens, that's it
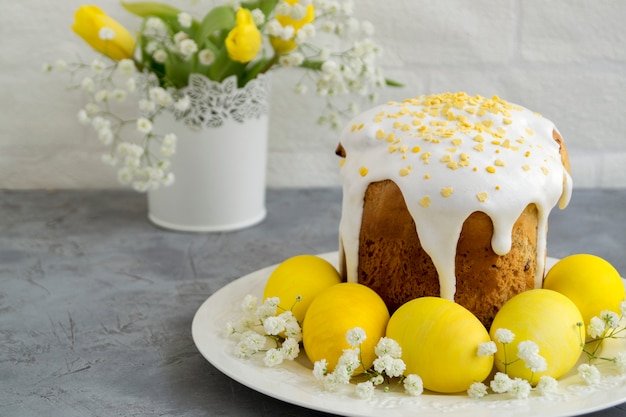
(387, 366)
(133, 146)
(601, 328)
(260, 329)
(528, 352)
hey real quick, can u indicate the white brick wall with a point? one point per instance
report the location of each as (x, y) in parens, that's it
(563, 58)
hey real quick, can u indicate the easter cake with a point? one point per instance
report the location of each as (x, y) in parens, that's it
(449, 195)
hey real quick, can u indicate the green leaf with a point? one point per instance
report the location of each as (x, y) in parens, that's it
(145, 9)
(220, 18)
(393, 83)
(266, 6)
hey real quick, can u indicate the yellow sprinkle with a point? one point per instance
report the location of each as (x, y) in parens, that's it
(342, 161)
(392, 148)
(506, 144)
(425, 202)
(427, 176)
(416, 122)
(406, 171)
(520, 140)
(404, 148)
(545, 170)
(530, 131)
(391, 137)
(482, 197)
(457, 142)
(451, 150)
(445, 158)
(527, 154)
(397, 125)
(416, 149)
(479, 138)
(497, 187)
(363, 171)
(507, 121)
(446, 192)
(526, 167)
(499, 162)
(353, 128)
(464, 157)
(380, 134)
(479, 147)
(452, 165)
(496, 142)
(491, 169)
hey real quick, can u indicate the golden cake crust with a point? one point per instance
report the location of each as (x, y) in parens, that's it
(393, 263)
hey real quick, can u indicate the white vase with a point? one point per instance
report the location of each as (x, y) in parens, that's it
(220, 162)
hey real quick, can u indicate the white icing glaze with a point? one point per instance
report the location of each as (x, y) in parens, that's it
(452, 155)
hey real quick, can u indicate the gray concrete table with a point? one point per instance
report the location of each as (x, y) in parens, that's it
(96, 303)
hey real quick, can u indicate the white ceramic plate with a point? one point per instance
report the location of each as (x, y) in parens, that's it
(293, 381)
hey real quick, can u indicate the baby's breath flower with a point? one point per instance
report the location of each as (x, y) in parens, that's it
(396, 368)
(342, 374)
(500, 383)
(547, 385)
(87, 84)
(160, 96)
(377, 379)
(250, 302)
(388, 346)
(596, 327)
(188, 47)
(365, 390)
(206, 57)
(273, 325)
(610, 318)
(477, 390)
(273, 357)
(487, 349)
(620, 361)
(160, 56)
(527, 349)
(589, 373)
(381, 363)
(622, 308)
(97, 66)
(268, 308)
(350, 360)
(320, 368)
(290, 348)
(258, 17)
(184, 19)
(144, 125)
(331, 382)
(355, 336)
(536, 363)
(504, 336)
(413, 385)
(106, 34)
(520, 388)
(126, 66)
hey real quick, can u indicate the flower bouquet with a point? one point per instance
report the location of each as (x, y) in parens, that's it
(174, 55)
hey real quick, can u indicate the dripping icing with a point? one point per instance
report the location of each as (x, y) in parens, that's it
(487, 154)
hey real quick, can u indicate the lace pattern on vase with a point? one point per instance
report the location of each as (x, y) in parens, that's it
(212, 102)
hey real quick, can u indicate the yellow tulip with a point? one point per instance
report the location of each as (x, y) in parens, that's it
(243, 42)
(88, 23)
(282, 46)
